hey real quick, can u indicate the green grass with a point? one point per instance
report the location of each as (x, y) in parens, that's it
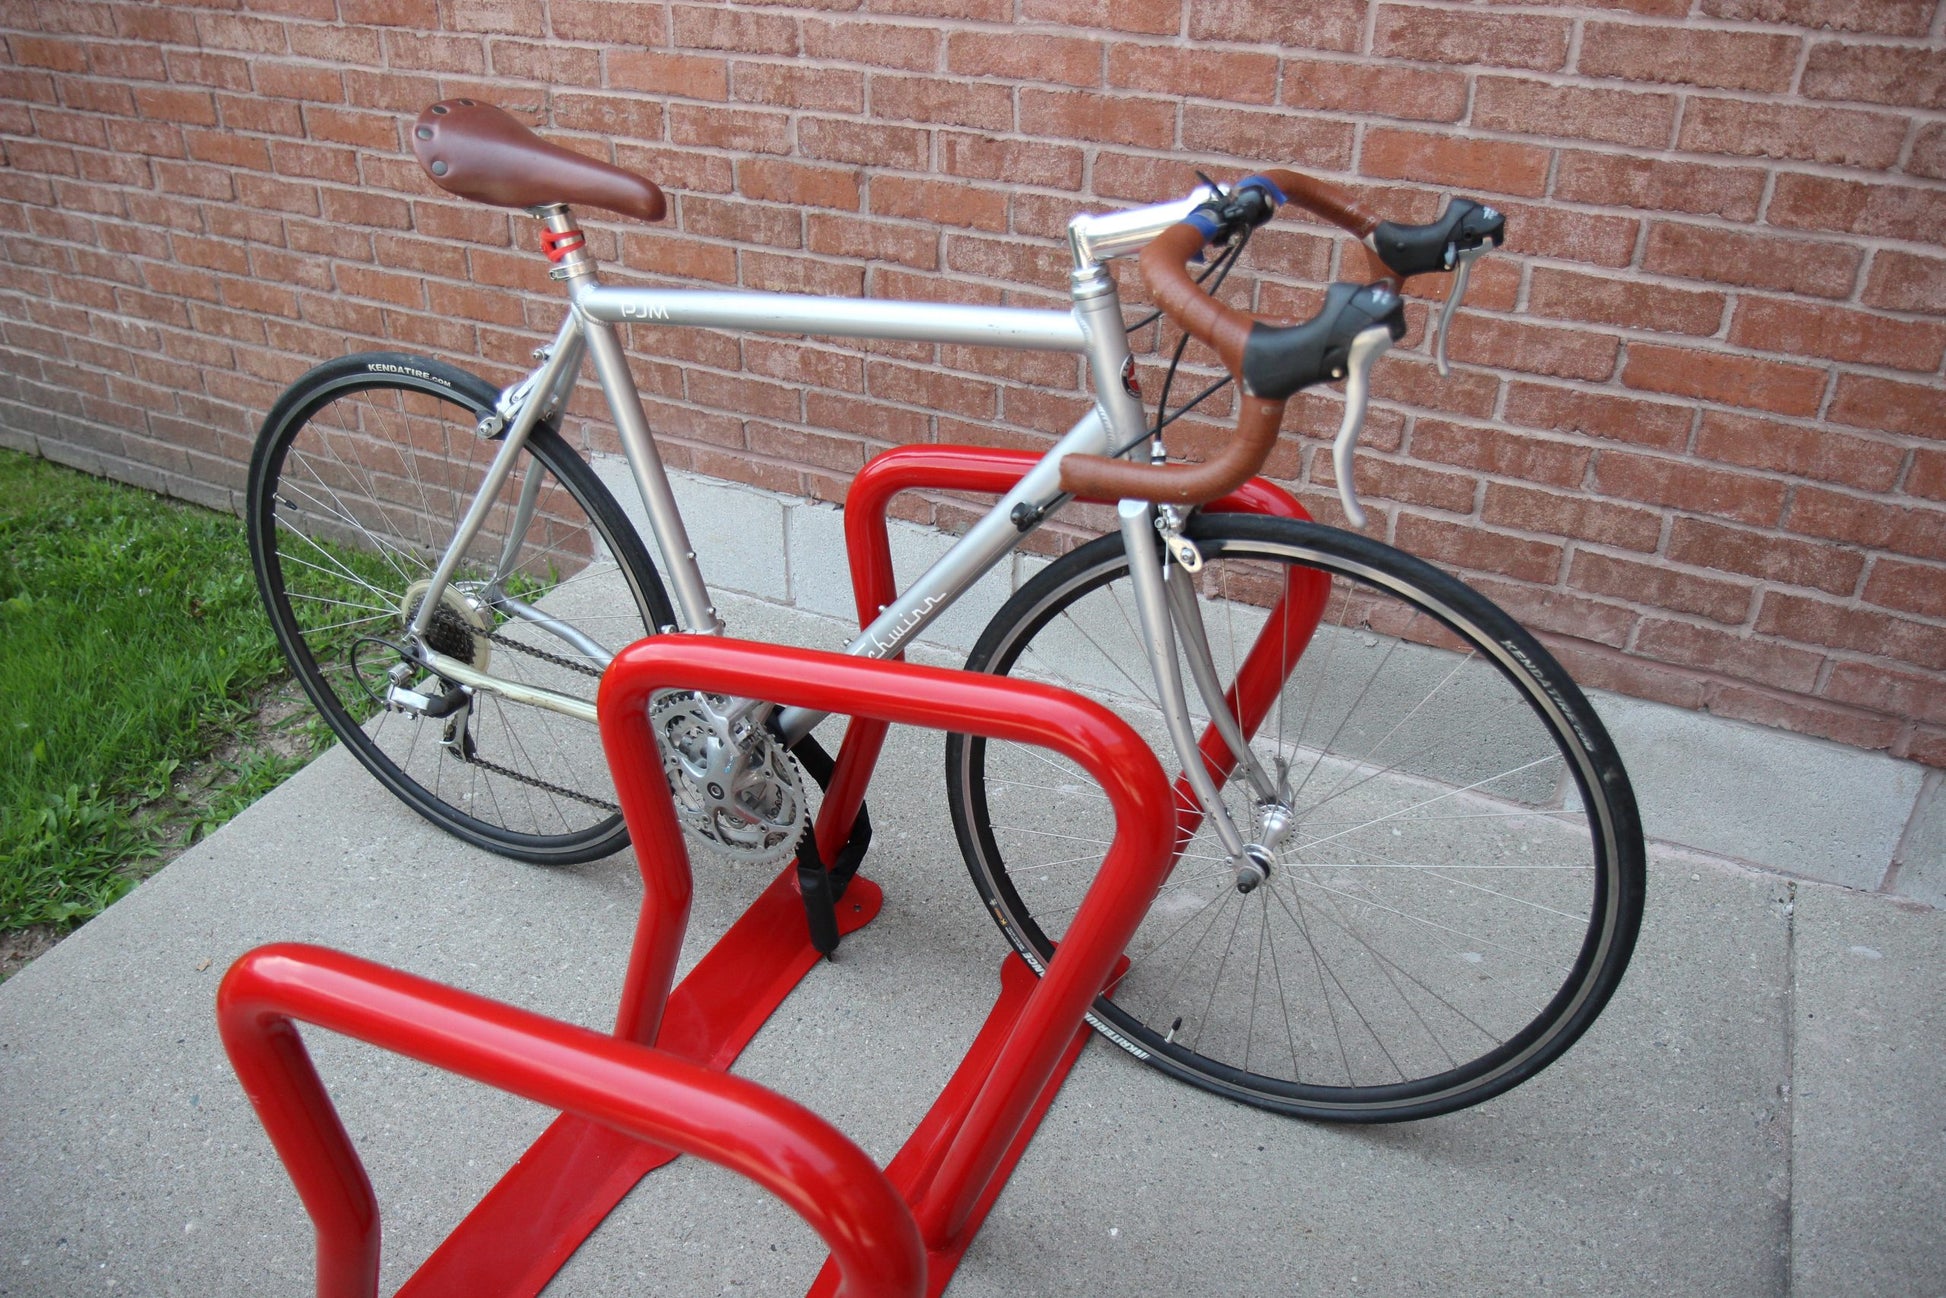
(131, 645)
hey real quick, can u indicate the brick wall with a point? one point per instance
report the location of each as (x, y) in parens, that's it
(1695, 429)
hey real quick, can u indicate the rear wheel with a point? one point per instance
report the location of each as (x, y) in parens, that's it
(359, 480)
(1461, 882)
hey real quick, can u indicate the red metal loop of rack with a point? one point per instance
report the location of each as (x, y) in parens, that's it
(995, 471)
(948, 1174)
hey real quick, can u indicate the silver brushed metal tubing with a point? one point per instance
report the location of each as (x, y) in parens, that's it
(796, 313)
(651, 480)
(511, 443)
(1202, 670)
(1152, 612)
(984, 544)
(1095, 238)
(466, 674)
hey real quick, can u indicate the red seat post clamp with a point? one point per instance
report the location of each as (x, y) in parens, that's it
(559, 243)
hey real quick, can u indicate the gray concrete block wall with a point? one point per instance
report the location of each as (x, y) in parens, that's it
(1788, 802)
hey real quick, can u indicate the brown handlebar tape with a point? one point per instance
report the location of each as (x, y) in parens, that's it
(1100, 478)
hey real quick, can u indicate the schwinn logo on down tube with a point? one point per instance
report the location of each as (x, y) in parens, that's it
(888, 643)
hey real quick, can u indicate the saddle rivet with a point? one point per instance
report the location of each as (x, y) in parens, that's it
(424, 132)
(438, 168)
(440, 110)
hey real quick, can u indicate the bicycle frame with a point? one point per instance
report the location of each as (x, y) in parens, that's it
(1116, 426)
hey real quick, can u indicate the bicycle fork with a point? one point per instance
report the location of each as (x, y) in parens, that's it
(1165, 605)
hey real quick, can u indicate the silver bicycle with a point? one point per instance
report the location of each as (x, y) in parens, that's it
(1410, 869)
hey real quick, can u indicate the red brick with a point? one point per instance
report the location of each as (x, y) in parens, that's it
(953, 103)
(1859, 520)
(1112, 119)
(1888, 211)
(1729, 653)
(1815, 621)
(1026, 56)
(1401, 481)
(1490, 166)
(1600, 668)
(1866, 401)
(742, 222)
(1907, 587)
(1684, 485)
(1159, 17)
(1528, 509)
(1469, 546)
(1688, 55)
(865, 143)
(1530, 107)
(1752, 260)
(1837, 333)
(729, 128)
(1021, 162)
(1500, 452)
(886, 45)
(1203, 73)
(812, 366)
(1928, 475)
(1008, 259)
(773, 273)
(1904, 281)
(849, 236)
(1705, 543)
(1733, 380)
(780, 181)
(1806, 452)
(1591, 238)
(1658, 585)
(1531, 348)
(1630, 303)
(675, 256)
(789, 85)
(1765, 130)
(1624, 180)
(1890, 17)
(1328, 25)
(42, 52)
(932, 389)
(1876, 74)
(683, 76)
(1267, 138)
(546, 63)
(506, 17)
(1462, 36)
(1888, 690)
(1922, 744)
(943, 201)
(874, 421)
(1806, 717)
(698, 27)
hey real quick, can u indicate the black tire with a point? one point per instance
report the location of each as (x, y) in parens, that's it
(1403, 959)
(359, 478)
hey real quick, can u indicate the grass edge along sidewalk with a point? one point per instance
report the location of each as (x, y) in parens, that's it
(145, 701)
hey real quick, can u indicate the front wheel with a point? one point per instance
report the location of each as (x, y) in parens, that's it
(1458, 879)
(358, 483)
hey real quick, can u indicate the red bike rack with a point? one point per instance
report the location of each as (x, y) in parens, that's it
(994, 471)
(628, 1108)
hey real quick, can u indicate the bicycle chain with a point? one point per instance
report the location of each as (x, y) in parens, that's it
(496, 769)
(542, 654)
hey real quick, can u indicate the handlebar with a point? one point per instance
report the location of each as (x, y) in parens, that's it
(1270, 364)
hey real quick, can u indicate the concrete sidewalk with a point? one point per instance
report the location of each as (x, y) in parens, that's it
(1759, 1111)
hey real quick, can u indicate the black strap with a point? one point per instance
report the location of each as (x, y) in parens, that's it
(823, 885)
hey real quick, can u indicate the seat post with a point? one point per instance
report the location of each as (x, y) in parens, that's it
(563, 242)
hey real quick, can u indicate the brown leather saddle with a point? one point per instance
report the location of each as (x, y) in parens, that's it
(481, 152)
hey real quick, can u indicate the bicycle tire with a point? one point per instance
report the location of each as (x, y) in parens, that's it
(357, 482)
(1411, 981)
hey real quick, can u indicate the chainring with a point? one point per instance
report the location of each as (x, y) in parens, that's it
(736, 788)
